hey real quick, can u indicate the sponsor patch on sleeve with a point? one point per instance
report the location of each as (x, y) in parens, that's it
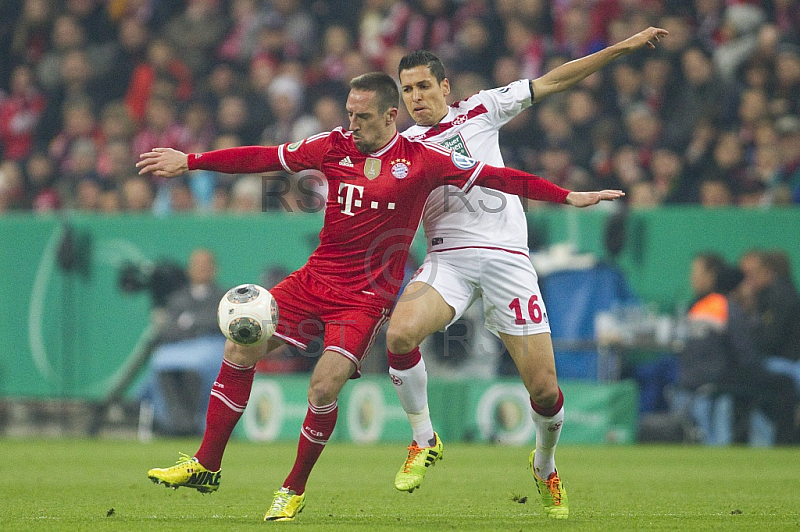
(462, 162)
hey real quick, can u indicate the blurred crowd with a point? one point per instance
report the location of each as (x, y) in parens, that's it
(711, 117)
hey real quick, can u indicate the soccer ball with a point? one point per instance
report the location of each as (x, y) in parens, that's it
(247, 314)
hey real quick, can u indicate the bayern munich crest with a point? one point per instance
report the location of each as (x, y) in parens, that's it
(400, 168)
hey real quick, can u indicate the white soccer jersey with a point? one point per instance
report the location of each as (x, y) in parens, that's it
(483, 217)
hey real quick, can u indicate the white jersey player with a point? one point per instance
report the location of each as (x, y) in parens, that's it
(477, 247)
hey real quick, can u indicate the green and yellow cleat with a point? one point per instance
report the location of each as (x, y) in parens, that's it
(419, 460)
(285, 506)
(187, 473)
(552, 493)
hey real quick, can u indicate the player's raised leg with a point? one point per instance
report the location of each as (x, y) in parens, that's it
(533, 355)
(229, 396)
(419, 312)
(330, 375)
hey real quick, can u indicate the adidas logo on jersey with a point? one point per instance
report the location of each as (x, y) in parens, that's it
(346, 162)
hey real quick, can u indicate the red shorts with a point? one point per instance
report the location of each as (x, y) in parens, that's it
(307, 307)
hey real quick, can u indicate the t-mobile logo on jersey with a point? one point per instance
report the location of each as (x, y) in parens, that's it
(352, 196)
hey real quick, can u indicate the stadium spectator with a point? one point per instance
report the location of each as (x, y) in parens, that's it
(788, 129)
(41, 180)
(114, 161)
(77, 82)
(30, 40)
(583, 113)
(20, 113)
(474, 48)
(715, 192)
(669, 178)
(738, 38)
(246, 195)
(772, 301)
(360, 303)
(703, 96)
(12, 187)
(337, 45)
(286, 94)
(643, 195)
(223, 79)
(299, 35)
(136, 195)
(719, 338)
(197, 32)
(786, 93)
(239, 43)
(421, 24)
(527, 47)
(93, 17)
(627, 86)
(66, 36)
(657, 89)
(89, 195)
(188, 351)
(161, 65)
(82, 166)
(127, 52)
(200, 128)
(233, 118)
(80, 123)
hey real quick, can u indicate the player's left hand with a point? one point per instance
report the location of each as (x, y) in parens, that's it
(585, 199)
(648, 37)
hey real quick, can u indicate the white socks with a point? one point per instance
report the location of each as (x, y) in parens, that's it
(548, 429)
(411, 386)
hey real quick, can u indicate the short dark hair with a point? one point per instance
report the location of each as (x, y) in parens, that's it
(381, 84)
(726, 277)
(423, 58)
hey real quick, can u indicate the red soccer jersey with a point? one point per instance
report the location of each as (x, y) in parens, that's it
(375, 200)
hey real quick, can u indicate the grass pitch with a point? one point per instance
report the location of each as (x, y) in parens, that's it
(77, 485)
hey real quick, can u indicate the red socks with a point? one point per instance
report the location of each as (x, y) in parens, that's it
(229, 397)
(404, 361)
(551, 410)
(317, 428)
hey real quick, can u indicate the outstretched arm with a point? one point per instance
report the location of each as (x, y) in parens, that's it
(565, 76)
(166, 162)
(519, 183)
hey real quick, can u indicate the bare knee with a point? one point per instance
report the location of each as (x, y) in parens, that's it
(401, 337)
(242, 355)
(545, 392)
(322, 392)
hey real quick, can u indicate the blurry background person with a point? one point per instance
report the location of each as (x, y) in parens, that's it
(774, 305)
(189, 350)
(718, 338)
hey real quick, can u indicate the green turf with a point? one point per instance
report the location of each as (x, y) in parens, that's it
(80, 485)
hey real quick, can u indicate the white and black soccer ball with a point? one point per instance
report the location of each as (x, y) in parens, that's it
(247, 314)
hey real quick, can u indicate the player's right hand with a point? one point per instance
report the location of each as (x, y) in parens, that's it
(163, 162)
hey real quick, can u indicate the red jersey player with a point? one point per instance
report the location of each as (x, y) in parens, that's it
(378, 182)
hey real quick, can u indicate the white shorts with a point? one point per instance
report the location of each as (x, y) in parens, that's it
(505, 280)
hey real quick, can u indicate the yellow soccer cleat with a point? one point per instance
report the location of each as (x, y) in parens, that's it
(188, 473)
(285, 506)
(419, 460)
(552, 493)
